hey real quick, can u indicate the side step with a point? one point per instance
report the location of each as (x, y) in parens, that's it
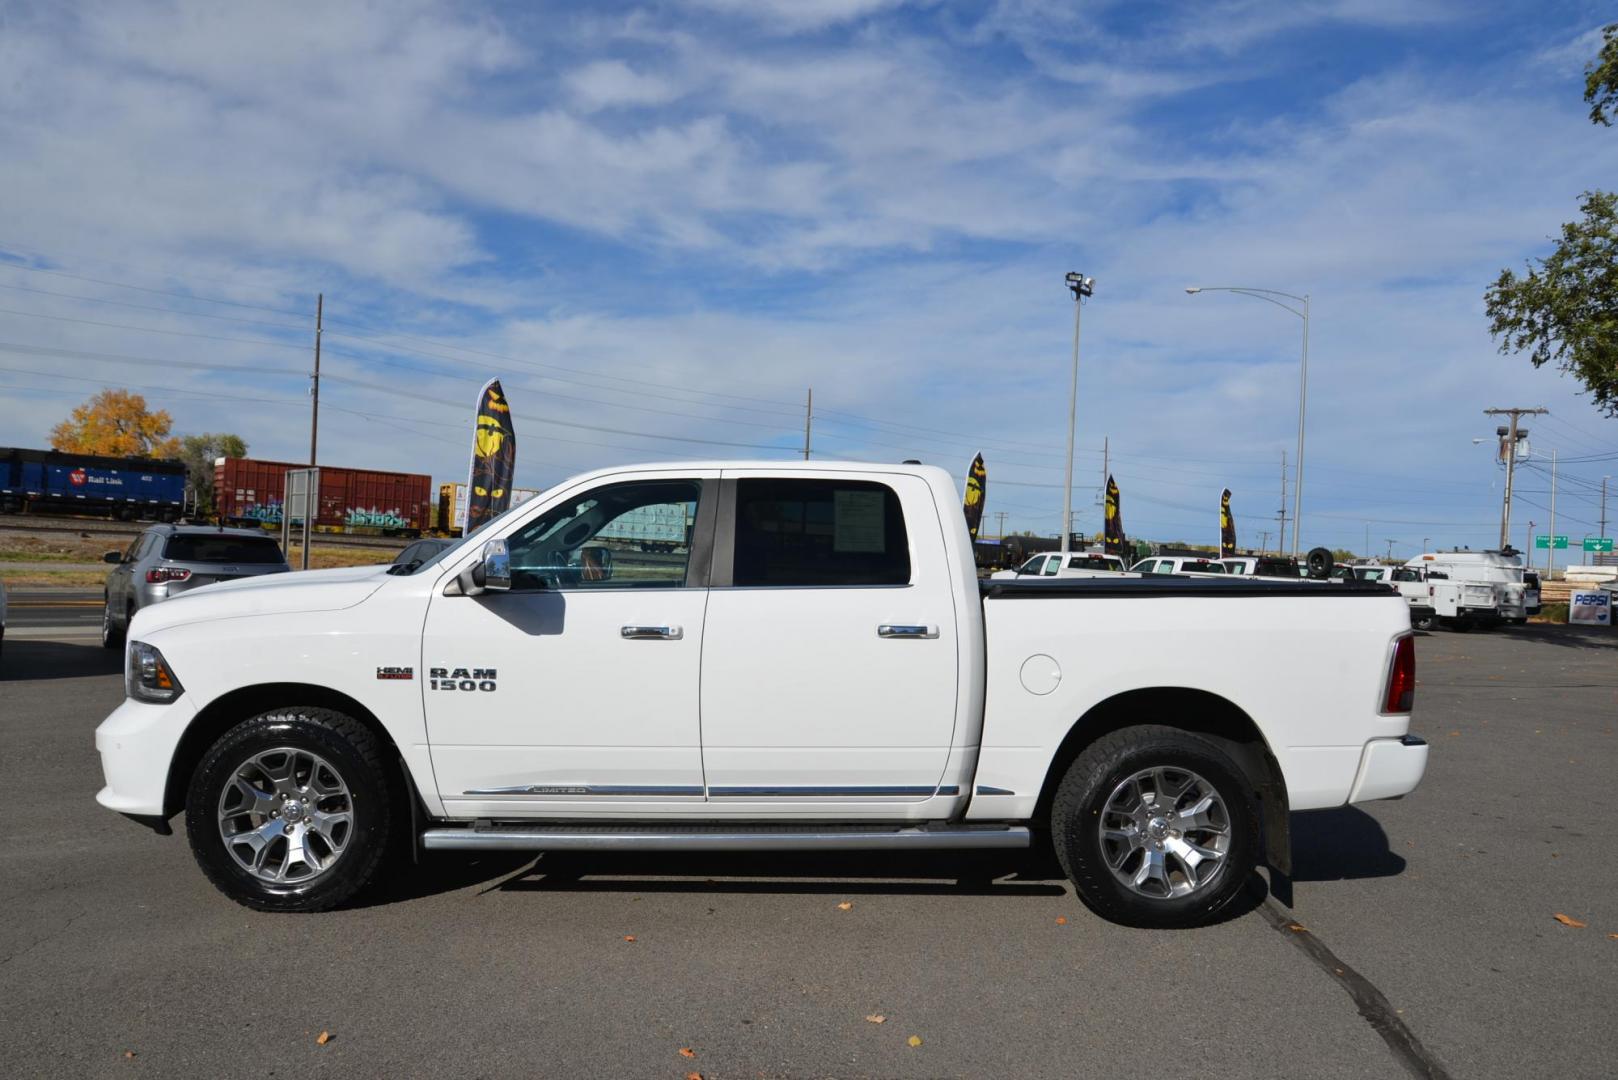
(485, 836)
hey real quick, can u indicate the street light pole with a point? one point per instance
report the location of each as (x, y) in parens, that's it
(1082, 287)
(1269, 295)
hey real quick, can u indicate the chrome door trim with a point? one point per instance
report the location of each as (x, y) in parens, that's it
(593, 790)
(868, 791)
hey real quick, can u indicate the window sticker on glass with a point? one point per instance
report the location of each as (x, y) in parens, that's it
(857, 521)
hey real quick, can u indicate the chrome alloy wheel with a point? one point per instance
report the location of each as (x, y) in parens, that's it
(1165, 833)
(285, 816)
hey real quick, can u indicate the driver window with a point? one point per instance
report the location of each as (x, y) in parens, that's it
(623, 536)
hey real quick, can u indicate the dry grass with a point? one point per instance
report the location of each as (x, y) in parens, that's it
(27, 577)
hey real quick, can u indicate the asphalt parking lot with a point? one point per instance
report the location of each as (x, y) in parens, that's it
(1430, 943)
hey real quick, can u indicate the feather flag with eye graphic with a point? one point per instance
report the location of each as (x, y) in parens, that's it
(1227, 526)
(494, 457)
(1113, 536)
(977, 487)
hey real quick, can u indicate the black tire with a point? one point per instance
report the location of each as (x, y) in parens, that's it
(1423, 620)
(112, 635)
(1083, 794)
(375, 791)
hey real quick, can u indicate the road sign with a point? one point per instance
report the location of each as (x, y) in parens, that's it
(1602, 544)
(1545, 541)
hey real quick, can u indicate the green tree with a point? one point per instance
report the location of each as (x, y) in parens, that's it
(199, 452)
(118, 424)
(1601, 78)
(1564, 308)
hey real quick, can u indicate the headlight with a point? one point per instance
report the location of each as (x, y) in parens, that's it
(148, 677)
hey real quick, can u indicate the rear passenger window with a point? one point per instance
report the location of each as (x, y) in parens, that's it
(819, 532)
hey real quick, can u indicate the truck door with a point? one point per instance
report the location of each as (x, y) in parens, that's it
(829, 660)
(576, 692)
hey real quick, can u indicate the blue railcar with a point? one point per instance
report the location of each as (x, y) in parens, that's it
(128, 488)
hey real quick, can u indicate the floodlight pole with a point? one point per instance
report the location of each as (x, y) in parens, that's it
(1082, 287)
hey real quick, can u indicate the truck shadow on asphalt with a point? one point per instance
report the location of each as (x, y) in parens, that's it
(23, 660)
(1565, 636)
(1328, 845)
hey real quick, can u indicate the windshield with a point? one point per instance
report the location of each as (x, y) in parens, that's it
(456, 546)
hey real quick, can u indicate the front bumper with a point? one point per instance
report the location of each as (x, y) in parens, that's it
(137, 743)
(1390, 768)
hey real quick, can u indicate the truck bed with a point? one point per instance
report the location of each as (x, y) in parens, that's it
(1176, 585)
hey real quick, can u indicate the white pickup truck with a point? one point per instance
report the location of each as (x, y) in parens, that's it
(817, 668)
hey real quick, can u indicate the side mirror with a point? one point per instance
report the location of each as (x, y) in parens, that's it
(493, 574)
(113, 557)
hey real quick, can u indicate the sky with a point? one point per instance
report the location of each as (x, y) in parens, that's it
(661, 224)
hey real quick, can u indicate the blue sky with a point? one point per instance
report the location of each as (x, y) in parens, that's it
(661, 223)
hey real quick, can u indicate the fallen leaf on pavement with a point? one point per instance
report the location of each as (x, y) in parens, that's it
(323, 1038)
(878, 1018)
(693, 1076)
(1061, 920)
(1568, 920)
(846, 905)
(1613, 936)
(131, 1053)
(686, 1051)
(629, 937)
(914, 1040)
(1297, 928)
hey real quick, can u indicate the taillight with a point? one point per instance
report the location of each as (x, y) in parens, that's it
(1401, 693)
(159, 574)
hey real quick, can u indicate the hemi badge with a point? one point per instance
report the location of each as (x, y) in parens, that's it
(396, 673)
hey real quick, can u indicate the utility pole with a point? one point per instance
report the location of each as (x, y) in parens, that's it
(1550, 543)
(1082, 287)
(1604, 480)
(1281, 537)
(314, 382)
(1106, 468)
(1390, 551)
(1511, 438)
(1264, 542)
(1000, 528)
(1367, 548)
(808, 420)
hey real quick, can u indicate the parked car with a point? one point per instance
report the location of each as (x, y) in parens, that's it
(166, 561)
(1179, 564)
(414, 555)
(819, 668)
(1079, 564)
(1276, 566)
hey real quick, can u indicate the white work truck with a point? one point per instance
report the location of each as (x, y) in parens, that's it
(818, 667)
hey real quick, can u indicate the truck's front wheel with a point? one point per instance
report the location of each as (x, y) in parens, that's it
(1156, 827)
(291, 810)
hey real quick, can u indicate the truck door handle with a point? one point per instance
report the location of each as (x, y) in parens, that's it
(906, 631)
(663, 633)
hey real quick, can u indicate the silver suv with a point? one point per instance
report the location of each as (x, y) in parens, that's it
(167, 560)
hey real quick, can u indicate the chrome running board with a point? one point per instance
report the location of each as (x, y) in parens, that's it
(486, 836)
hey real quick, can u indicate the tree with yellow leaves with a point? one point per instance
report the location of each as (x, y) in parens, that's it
(116, 423)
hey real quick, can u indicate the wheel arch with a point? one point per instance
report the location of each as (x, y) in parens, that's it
(1200, 712)
(227, 710)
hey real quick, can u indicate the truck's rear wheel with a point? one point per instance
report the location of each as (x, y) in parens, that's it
(1156, 827)
(292, 810)
(1422, 619)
